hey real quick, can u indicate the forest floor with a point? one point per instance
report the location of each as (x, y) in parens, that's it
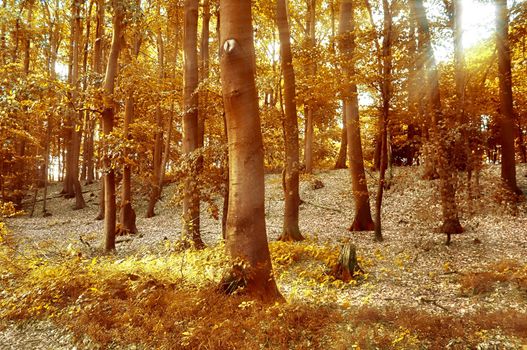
(416, 292)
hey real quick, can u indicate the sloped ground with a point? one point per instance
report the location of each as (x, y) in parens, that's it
(412, 268)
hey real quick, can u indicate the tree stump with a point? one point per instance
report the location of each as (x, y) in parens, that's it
(347, 266)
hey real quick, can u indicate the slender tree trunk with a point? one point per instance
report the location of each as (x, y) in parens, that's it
(521, 142)
(98, 68)
(506, 117)
(88, 130)
(107, 126)
(191, 229)
(341, 160)
(46, 166)
(451, 224)
(204, 70)
(290, 231)
(77, 128)
(27, 37)
(246, 238)
(311, 69)
(3, 40)
(386, 97)
(362, 220)
(127, 216)
(155, 190)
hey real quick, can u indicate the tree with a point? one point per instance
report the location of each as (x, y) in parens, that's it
(191, 200)
(127, 216)
(98, 68)
(362, 220)
(290, 231)
(246, 238)
(155, 186)
(311, 71)
(72, 183)
(451, 224)
(108, 116)
(385, 113)
(506, 118)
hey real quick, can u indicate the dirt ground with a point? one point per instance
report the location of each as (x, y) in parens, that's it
(411, 268)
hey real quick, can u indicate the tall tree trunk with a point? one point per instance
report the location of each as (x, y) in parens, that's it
(362, 220)
(290, 231)
(73, 186)
(413, 95)
(204, 71)
(27, 37)
(98, 68)
(451, 224)
(311, 71)
(506, 117)
(246, 238)
(3, 39)
(127, 214)
(155, 190)
(88, 130)
(107, 126)
(191, 229)
(386, 97)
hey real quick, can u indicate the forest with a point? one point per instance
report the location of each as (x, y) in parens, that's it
(265, 174)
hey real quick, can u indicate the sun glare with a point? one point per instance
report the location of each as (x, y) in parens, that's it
(478, 22)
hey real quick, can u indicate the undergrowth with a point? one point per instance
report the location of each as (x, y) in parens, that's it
(171, 301)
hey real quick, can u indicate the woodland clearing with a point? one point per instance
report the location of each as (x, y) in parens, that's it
(415, 292)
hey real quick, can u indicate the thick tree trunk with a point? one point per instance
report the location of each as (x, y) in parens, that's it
(246, 238)
(442, 161)
(506, 117)
(290, 231)
(191, 200)
(362, 220)
(107, 126)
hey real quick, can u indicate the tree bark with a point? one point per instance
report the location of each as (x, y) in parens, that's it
(362, 220)
(506, 117)
(72, 168)
(386, 97)
(107, 126)
(311, 71)
(127, 216)
(343, 150)
(246, 238)
(191, 200)
(98, 68)
(290, 231)
(155, 190)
